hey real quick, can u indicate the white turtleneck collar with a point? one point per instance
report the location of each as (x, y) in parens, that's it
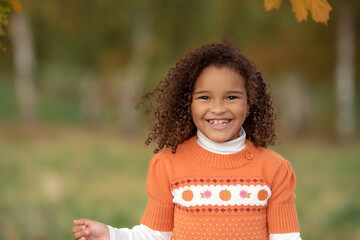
(229, 147)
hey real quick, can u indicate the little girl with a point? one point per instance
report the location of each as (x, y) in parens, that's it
(215, 179)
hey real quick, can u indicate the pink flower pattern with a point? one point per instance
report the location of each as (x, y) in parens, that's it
(206, 194)
(244, 194)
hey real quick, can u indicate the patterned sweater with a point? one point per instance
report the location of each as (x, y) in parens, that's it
(198, 194)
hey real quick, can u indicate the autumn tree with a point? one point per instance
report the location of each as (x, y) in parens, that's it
(23, 49)
(319, 9)
(24, 67)
(344, 75)
(6, 7)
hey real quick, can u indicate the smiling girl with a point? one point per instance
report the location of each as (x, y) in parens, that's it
(212, 176)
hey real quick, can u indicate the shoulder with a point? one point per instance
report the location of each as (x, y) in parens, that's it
(180, 150)
(161, 158)
(272, 163)
(166, 156)
(174, 162)
(267, 155)
(271, 156)
(166, 163)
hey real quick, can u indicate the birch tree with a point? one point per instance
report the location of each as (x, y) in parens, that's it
(24, 64)
(345, 72)
(136, 69)
(344, 75)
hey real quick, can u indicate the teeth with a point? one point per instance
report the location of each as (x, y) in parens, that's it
(218, 122)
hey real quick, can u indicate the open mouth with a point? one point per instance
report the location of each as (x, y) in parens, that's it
(219, 124)
(215, 122)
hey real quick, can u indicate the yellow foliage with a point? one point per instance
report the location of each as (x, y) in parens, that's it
(271, 4)
(2, 18)
(6, 7)
(16, 6)
(300, 8)
(319, 9)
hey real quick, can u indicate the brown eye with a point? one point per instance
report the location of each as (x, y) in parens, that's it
(232, 97)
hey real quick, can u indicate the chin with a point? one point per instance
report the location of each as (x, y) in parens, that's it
(219, 139)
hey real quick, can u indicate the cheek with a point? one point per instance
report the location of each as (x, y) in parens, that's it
(194, 112)
(241, 111)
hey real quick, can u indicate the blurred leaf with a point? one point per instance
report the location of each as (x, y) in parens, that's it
(6, 6)
(16, 6)
(300, 8)
(4, 11)
(271, 4)
(319, 9)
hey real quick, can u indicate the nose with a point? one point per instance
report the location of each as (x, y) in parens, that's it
(218, 107)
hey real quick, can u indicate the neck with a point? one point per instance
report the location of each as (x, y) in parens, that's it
(228, 147)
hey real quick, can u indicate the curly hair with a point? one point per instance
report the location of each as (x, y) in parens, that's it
(173, 96)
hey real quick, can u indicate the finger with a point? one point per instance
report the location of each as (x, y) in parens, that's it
(88, 223)
(80, 234)
(78, 222)
(78, 228)
(82, 221)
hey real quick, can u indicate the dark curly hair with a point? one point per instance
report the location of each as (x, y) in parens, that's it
(172, 110)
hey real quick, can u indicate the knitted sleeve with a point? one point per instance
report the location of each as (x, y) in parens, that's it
(281, 211)
(159, 212)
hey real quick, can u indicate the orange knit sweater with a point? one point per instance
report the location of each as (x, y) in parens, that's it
(198, 194)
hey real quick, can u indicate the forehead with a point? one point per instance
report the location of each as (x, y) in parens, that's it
(218, 78)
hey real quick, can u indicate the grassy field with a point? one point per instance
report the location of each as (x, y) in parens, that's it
(50, 177)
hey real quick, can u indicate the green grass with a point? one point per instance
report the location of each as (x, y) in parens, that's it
(48, 180)
(52, 176)
(8, 104)
(328, 179)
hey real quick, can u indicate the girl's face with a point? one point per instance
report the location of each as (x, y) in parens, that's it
(219, 103)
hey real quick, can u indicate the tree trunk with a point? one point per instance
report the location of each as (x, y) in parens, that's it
(91, 104)
(135, 72)
(294, 106)
(345, 72)
(24, 64)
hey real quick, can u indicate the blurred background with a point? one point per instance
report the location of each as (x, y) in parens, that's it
(72, 143)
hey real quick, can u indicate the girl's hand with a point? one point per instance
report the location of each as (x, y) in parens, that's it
(86, 229)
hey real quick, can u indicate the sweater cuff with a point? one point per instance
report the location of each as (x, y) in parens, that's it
(157, 216)
(282, 218)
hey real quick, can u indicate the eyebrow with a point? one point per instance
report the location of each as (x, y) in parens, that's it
(229, 92)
